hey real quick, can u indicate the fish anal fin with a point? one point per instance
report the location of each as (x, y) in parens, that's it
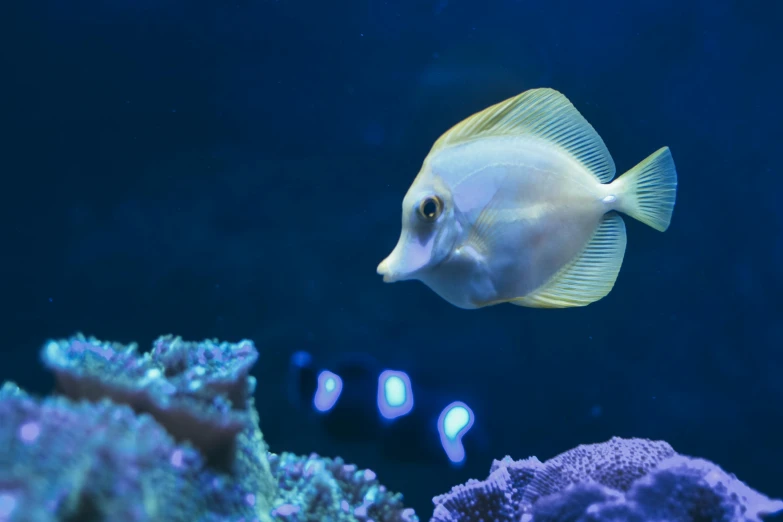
(590, 276)
(544, 113)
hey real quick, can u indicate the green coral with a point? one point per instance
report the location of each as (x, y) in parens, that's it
(171, 435)
(313, 489)
(83, 461)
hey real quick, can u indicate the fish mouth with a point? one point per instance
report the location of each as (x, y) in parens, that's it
(384, 270)
(389, 268)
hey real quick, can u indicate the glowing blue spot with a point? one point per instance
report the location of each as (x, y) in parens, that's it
(395, 394)
(394, 389)
(285, 510)
(454, 422)
(30, 431)
(176, 458)
(7, 505)
(456, 419)
(370, 496)
(330, 385)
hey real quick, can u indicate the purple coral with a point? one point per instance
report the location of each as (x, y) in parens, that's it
(616, 464)
(618, 480)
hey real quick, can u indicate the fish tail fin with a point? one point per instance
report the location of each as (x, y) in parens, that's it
(647, 191)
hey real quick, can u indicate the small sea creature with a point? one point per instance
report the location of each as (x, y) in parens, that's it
(516, 204)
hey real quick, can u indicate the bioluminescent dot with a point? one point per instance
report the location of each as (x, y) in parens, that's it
(285, 510)
(454, 422)
(30, 431)
(176, 458)
(7, 505)
(330, 385)
(395, 395)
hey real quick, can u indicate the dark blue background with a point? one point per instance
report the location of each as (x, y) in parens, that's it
(236, 170)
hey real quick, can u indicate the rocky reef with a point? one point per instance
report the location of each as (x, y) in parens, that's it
(172, 435)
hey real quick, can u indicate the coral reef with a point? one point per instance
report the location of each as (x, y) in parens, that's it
(315, 489)
(172, 435)
(61, 460)
(198, 391)
(633, 480)
(169, 435)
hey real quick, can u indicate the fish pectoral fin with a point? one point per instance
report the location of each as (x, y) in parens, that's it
(544, 113)
(490, 230)
(590, 276)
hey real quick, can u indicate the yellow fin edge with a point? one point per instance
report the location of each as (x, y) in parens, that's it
(590, 277)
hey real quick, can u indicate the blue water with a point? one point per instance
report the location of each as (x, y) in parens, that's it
(236, 170)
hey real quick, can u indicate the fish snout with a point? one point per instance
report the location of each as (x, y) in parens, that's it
(405, 261)
(384, 269)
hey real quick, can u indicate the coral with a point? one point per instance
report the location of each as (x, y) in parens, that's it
(618, 480)
(173, 435)
(63, 460)
(168, 435)
(312, 489)
(198, 391)
(498, 498)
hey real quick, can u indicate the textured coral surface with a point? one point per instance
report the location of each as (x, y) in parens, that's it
(314, 489)
(618, 480)
(173, 435)
(169, 435)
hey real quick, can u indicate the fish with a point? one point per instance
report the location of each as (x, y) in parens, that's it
(518, 204)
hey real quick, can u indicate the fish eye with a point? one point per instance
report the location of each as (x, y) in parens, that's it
(430, 208)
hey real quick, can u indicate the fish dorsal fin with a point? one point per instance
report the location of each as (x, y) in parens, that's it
(544, 113)
(590, 276)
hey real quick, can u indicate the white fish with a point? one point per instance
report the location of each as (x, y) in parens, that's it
(517, 204)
